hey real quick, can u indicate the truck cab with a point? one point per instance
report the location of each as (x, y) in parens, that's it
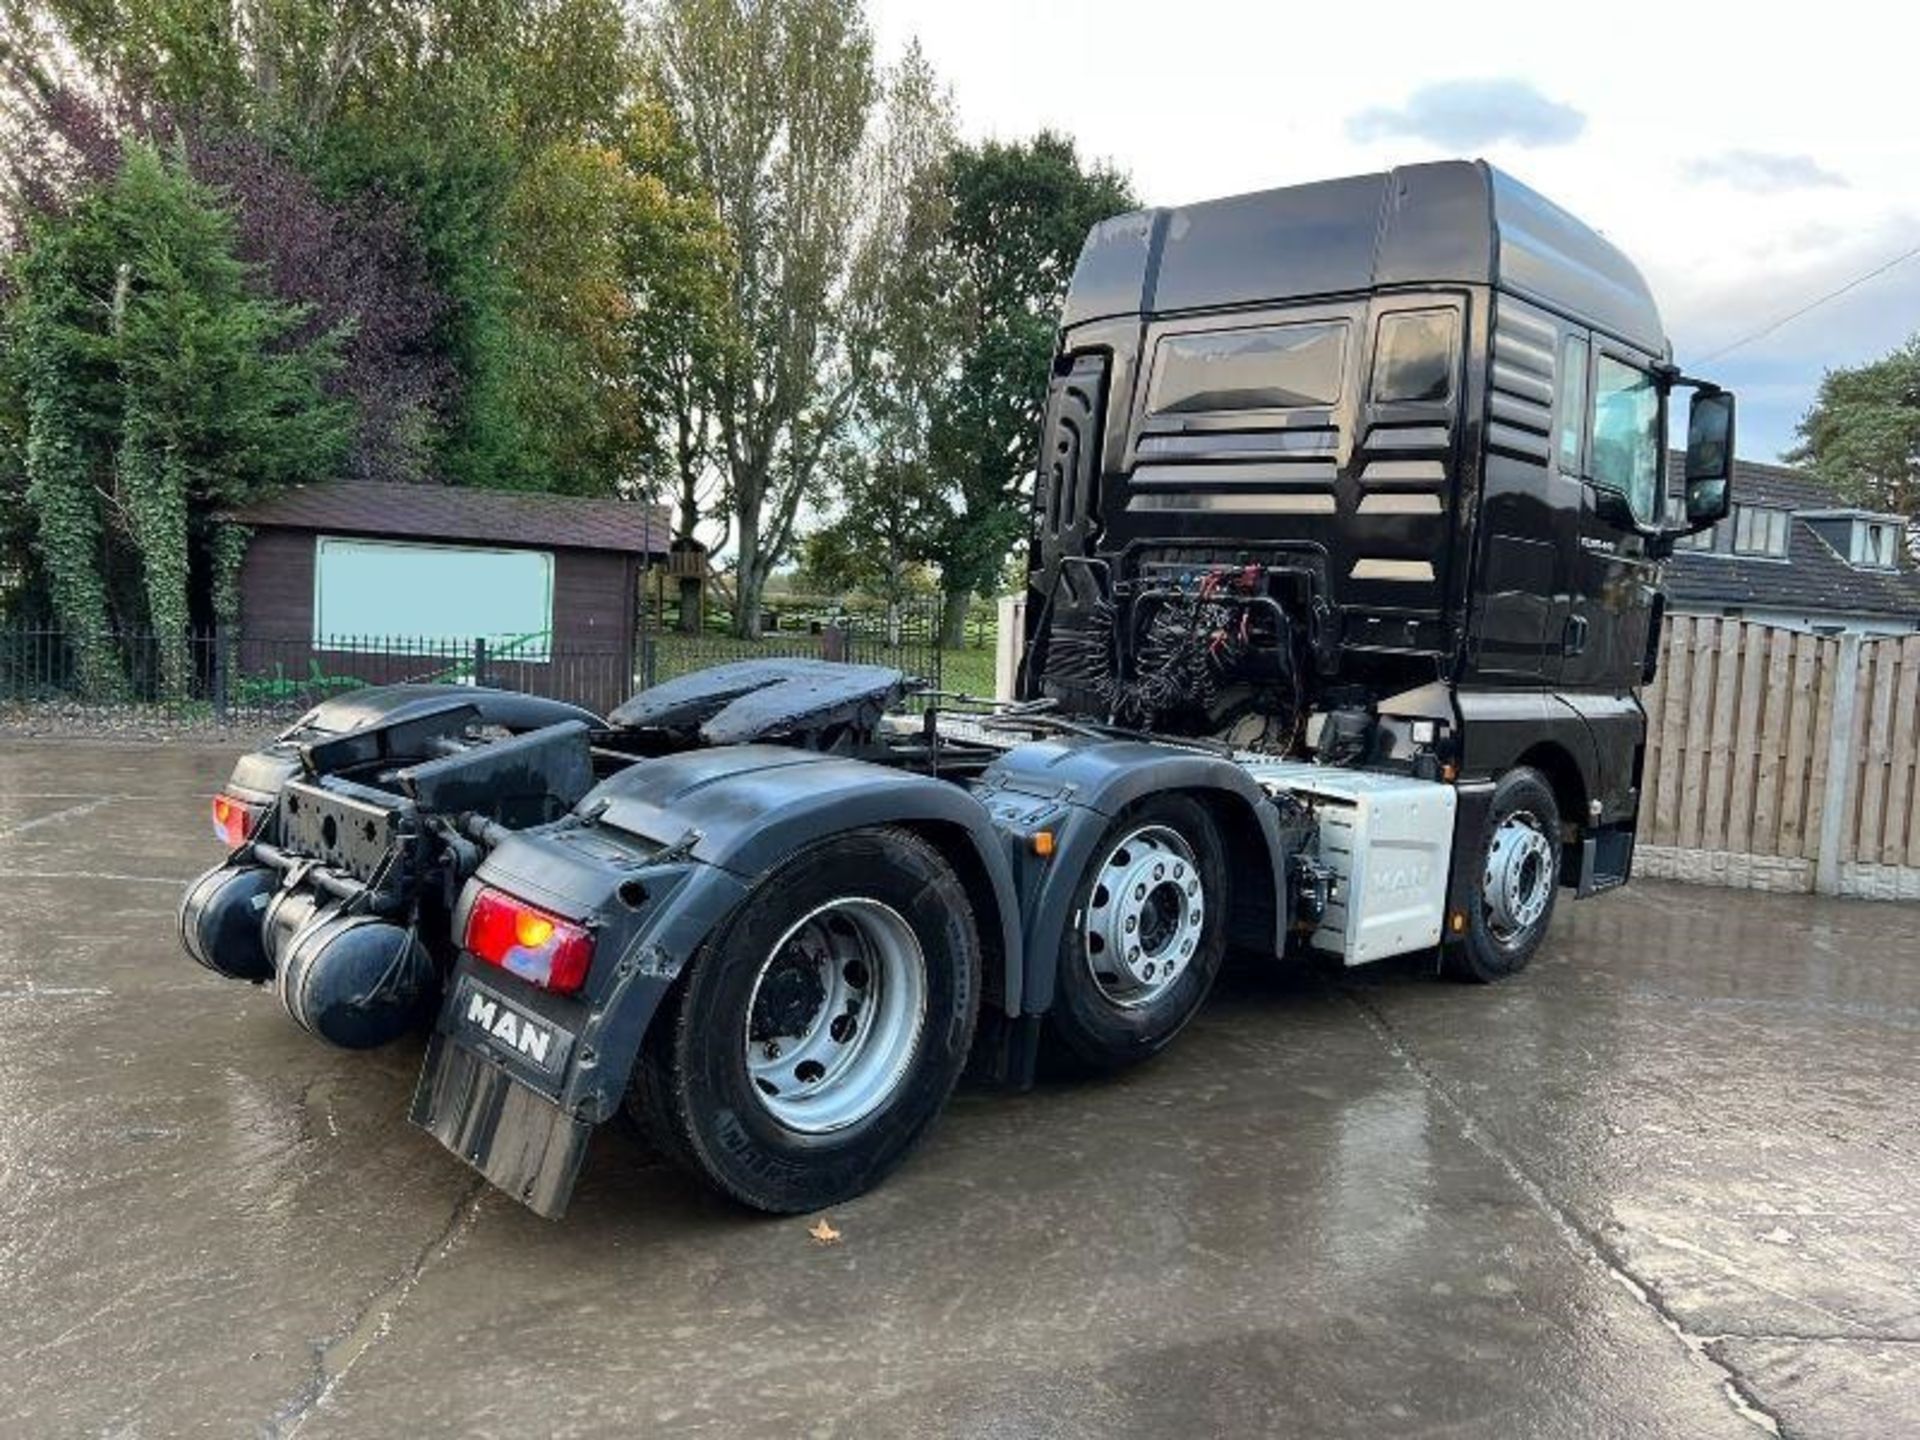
(1424, 414)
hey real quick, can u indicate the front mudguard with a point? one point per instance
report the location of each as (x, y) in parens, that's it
(1073, 787)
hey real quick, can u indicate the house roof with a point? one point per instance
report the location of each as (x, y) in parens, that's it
(1814, 578)
(463, 513)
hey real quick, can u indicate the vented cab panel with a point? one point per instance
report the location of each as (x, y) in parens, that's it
(1063, 588)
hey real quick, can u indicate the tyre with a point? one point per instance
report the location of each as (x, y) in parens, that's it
(1519, 864)
(1145, 936)
(814, 1039)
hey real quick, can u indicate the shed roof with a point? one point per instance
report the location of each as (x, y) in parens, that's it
(1814, 578)
(463, 513)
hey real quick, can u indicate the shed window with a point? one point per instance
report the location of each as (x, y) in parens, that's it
(389, 595)
(1758, 530)
(1413, 359)
(1272, 367)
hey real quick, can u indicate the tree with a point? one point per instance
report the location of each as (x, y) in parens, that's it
(774, 98)
(680, 339)
(1003, 229)
(877, 541)
(159, 388)
(1862, 436)
(351, 267)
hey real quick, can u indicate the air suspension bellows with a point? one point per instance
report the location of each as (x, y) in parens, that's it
(356, 981)
(220, 920)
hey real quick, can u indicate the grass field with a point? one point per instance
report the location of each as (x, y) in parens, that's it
(969, 670)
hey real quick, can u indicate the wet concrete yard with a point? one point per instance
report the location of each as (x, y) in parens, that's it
(1663, 1184)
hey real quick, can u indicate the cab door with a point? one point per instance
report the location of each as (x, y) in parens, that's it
(1624, 454)
(1529, 509)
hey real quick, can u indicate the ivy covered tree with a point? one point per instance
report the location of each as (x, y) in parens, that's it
(159, 388)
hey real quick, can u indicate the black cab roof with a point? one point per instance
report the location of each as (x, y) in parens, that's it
(1458, 221)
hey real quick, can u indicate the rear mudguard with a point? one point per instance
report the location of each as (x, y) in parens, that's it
(1073, 787)
(745, 808)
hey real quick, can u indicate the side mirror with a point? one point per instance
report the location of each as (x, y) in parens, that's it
(1709, 467)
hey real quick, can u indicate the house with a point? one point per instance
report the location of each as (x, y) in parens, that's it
(1794, 554)
(376, 583)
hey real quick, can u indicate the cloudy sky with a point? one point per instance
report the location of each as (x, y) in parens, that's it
(1749, 158)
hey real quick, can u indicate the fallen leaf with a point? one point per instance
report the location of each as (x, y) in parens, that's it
(824, 1232)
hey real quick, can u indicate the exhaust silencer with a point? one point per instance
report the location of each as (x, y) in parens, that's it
(220, 920)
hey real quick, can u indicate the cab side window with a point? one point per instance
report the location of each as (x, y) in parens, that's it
(1571, 403)
(1626, 435)
(1413, 357)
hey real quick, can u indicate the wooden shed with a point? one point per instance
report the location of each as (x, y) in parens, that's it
(378, 583)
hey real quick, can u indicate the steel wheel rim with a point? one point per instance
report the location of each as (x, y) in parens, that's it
(1519, 877)
(835, 1015)
(1144, 916)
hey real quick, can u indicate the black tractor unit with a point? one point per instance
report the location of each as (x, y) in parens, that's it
(1344, 573)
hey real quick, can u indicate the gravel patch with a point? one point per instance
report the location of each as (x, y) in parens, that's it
(158, 724)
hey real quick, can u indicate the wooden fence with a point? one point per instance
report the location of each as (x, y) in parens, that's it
(1801, 749)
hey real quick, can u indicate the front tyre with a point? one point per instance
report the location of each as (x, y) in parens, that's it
(1146, 934)
(1519, 863)
(819, 1033)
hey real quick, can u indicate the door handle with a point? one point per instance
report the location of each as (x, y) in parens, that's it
(1574, 640)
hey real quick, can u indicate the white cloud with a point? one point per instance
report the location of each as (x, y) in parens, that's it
(1466, 114)
(1763, 173)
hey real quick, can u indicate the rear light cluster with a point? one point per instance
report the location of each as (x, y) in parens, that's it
(234, 820)
(532, 943)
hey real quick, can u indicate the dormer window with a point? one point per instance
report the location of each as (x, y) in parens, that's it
(1875, 544)
(1676, 516)
(1760, 530)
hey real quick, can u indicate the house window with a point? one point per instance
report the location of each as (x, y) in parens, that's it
(384, 595)
(1677, 516)
(1874, 543)
(1759, 530)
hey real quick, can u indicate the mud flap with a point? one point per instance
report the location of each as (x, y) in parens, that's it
(515, 1136)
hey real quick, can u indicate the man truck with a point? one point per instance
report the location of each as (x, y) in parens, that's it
(1350, 504)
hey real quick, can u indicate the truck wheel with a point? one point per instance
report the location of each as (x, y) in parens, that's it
(1519, 878)
(1145, 936)
(819, 1033)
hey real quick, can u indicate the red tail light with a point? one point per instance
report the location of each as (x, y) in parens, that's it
(234, 819)
(505, 930)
